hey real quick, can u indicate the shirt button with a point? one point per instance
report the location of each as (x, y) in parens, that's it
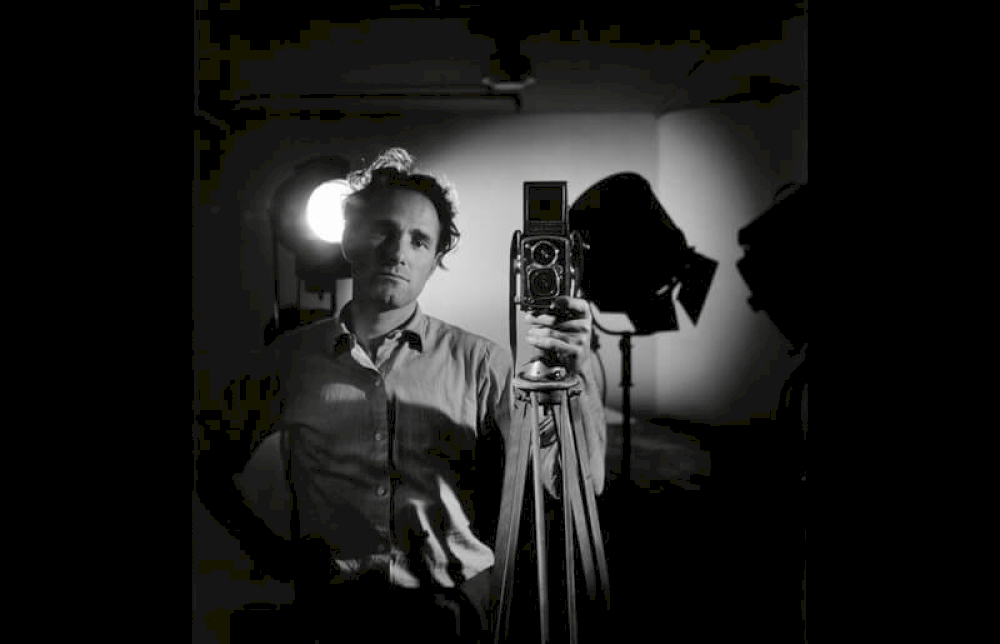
(382, 547)
(380, 491)
(379, 436)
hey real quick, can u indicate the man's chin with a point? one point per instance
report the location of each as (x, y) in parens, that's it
(389, 301)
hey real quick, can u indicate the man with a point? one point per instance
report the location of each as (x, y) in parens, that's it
(380, 483)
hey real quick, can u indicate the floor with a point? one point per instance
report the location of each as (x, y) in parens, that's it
(660, 458)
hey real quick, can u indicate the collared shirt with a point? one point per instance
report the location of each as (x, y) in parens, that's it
(396, 459)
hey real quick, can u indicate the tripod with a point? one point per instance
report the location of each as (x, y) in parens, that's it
(578, 500)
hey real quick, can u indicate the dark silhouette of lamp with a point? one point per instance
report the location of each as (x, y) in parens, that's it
(636, 259)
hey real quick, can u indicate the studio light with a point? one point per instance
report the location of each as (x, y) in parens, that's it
(307, 218)
(637, 257)
(325, 210)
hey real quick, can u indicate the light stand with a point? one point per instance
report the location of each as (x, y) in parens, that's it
(624, 227)
(625, 344)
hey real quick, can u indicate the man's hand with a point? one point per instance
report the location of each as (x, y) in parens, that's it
(564, 330)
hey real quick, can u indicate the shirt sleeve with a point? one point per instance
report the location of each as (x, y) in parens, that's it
(508, 415)
(594, 424)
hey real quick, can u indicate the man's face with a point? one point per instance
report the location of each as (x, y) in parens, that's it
(391, 244)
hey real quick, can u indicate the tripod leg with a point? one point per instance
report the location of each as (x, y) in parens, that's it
(570, 487)
(508, 534)
(573, 501)
(588, 486)
(536, 470)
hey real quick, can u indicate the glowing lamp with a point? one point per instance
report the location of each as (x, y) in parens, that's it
(307, 219)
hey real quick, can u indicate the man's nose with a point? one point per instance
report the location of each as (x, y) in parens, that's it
(391, 249)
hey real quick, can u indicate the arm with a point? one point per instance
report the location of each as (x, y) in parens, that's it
(232, 428)
(507, 416)
(545, 334)
(566, 332)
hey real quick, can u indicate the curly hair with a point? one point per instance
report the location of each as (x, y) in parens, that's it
(394, 169)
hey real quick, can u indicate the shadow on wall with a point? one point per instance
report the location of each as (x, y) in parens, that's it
(715, 176)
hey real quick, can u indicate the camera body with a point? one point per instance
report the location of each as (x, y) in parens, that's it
(548, 256)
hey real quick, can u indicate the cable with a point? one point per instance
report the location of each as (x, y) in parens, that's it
(600, 361)
(609, 332)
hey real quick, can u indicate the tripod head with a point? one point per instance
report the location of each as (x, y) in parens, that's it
(544, 367)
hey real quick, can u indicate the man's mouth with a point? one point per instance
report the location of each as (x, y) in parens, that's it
(394, 276)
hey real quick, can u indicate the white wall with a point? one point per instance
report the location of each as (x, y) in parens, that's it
(718, 170)
(713, 170)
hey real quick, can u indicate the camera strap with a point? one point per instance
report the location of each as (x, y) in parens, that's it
(511, 301)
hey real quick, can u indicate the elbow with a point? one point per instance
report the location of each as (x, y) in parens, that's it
(599, 484)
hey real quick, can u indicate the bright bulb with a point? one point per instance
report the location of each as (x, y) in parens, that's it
(325, 210)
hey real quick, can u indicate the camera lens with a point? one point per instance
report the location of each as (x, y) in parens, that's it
(543, 253)
(544, 283)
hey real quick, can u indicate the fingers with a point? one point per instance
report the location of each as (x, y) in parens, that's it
(572, 326)
(574, 304)
(553, 338)
(561, 347)
(569, 349)
(564, 329)
(564, 309)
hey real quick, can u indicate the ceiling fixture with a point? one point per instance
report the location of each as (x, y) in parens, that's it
(508, 69)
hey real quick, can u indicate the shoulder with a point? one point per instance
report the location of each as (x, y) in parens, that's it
(306, 333)
(441, 335)
(309, 337)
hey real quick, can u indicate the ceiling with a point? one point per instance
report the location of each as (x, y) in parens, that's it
(253, 62)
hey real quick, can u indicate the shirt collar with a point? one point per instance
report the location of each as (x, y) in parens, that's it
(340, 337)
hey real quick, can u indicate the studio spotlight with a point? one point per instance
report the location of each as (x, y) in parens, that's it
(307, 219)
(637, 257)
(325, 210)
